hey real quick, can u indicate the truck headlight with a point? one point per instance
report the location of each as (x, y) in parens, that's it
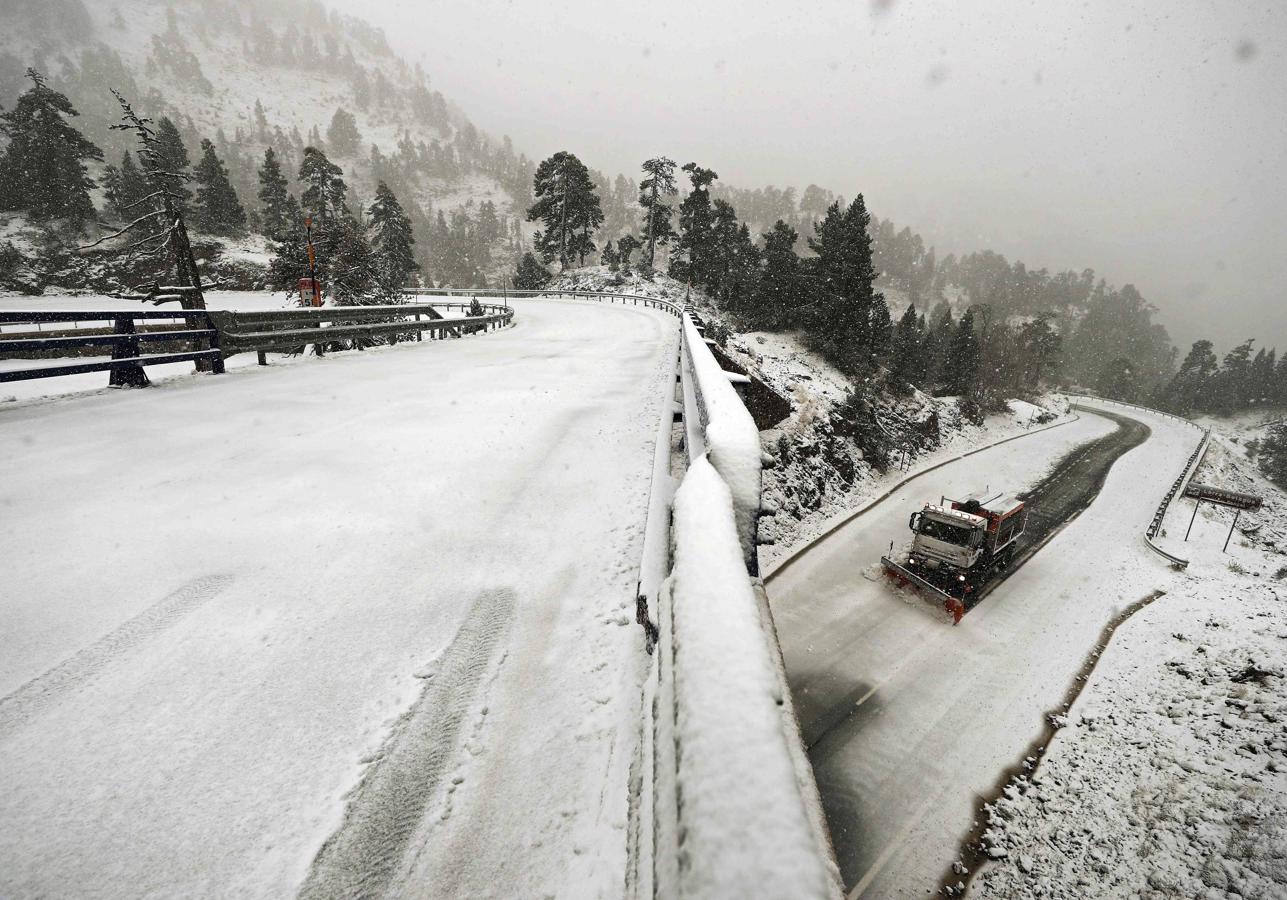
(960, 577)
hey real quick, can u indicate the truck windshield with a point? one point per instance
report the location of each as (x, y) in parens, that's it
(943, 531)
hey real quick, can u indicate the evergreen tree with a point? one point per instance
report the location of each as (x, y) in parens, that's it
(658, 183)
(391, 240)
(1273, 454)
(936, 344)
(960, 374)
(43, 169)
(696, 228)
(905, 366)
(530, 275)
(1118, 380)
(324, 187)
(568, 207)
(172, 157)
(627, 245)
(778, 291)
(844, 298)
(274, 199)
(217, 209)
(133, 188)
(1039, 344)
(610, 257)
(342, 135)
(352, 275)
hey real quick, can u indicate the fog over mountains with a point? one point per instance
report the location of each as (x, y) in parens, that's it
(1145, 140)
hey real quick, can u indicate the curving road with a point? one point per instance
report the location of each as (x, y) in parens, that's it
(357, 624)
(910, 720)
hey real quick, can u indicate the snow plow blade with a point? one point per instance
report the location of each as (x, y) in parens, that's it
(903, 575)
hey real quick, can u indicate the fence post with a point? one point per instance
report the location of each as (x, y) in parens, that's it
(216, 364)
(130, 375)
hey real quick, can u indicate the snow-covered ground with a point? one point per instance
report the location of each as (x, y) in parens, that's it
(929, 715)
(1170, 778)
(383, 597)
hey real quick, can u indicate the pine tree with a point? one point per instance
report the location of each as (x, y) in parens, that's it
(905, 366)
(274, 199)
(936, 343)
(531, 275)
(43, 169)
(567, 206)
(960, 374)
(626, 245)
(217, 209)
(1273, 454)
(610, 257)
(778, 294)
(392, 241)
(324, 187)
(352, 275)
(658, 183)
(342, 135)
(133, 188)
(172, 157)
(696, 228)
(844, 297)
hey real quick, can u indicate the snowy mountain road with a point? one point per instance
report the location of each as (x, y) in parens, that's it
(910, 720)
(365, 620)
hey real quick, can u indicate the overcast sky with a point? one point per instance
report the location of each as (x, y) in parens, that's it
(1146, 140)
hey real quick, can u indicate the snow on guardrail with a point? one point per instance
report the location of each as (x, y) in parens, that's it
(732, 440)
(745, 829)
(735, 808)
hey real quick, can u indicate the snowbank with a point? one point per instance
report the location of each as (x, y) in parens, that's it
(1168, 778)
(734, 759)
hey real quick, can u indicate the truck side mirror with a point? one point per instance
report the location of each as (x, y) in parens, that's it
(914, 523)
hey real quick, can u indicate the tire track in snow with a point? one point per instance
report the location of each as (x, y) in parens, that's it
(366, 853)
(33, 698)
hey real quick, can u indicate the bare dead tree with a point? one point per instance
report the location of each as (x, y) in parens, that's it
(158, 230)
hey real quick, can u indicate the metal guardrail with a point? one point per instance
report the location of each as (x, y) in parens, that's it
(733, 804)
(622, 297)
(124, 341)
(214, 335)
(280, 329)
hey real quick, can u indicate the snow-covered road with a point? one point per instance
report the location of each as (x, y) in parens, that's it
(930, 716)
(231, 601)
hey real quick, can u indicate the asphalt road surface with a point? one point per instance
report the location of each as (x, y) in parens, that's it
(909, 719)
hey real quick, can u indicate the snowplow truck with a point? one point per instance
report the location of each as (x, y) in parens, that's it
(958, 545)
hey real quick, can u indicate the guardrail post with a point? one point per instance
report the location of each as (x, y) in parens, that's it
(212, 343)
(127, 375)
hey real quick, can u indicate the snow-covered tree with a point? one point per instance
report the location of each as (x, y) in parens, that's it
(843, 278)
(568, 207)
(279, 210)
(657, 185)
(531, 275)
(696, 221)
(342, 135)
(905, 367)
(324, 187)
(172, 156)
(391, 240)
(778, 293)
(217, 209)
(42, 171)
(627, 245)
